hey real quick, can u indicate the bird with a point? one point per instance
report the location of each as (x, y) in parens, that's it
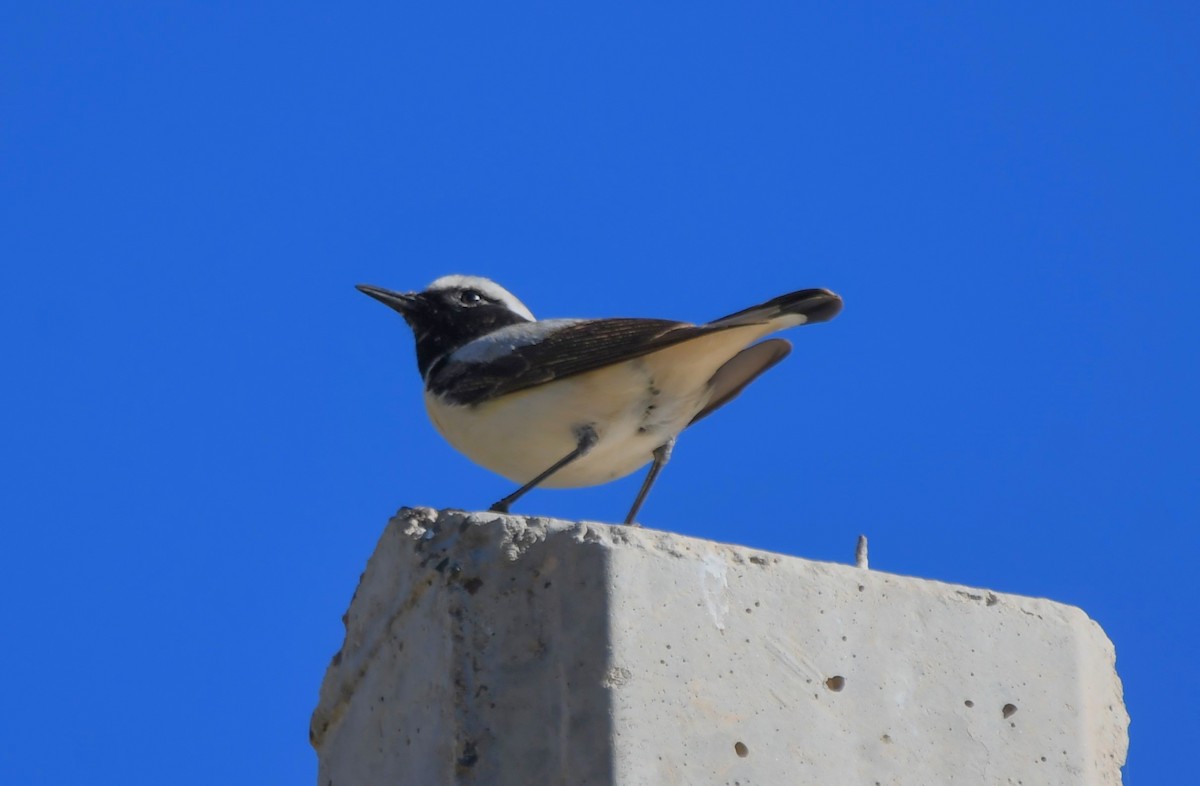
(567, 403)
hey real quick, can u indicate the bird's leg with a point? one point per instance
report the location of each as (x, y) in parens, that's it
(587, 438)
(662, 454)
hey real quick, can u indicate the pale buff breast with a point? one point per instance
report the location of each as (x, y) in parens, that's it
(634, 407)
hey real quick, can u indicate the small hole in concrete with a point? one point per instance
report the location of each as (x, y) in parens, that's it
(1008, 710)
(969, 703)
(835, 683)
(469, 756)
(740, 749)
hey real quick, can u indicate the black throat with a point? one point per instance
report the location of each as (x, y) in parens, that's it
(440, 330)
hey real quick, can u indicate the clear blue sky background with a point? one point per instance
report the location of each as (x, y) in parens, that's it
(205, 427)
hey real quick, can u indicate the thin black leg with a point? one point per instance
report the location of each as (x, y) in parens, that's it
(587, 438)
(662, 454)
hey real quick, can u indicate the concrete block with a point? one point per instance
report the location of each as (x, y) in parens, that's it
(490, 649)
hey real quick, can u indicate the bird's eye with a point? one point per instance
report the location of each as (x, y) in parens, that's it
(469, 297)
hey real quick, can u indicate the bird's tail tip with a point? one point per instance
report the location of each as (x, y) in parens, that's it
(809, 305)
(816, 305)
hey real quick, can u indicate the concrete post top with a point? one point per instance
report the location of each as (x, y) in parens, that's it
(586, 653)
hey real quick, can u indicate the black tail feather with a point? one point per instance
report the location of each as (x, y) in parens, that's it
(817, 305)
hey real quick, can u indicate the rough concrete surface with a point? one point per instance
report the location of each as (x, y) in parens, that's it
(490, 649)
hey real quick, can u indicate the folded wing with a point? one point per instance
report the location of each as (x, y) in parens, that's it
(574, 349)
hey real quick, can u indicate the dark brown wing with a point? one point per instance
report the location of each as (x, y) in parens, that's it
(563, 352)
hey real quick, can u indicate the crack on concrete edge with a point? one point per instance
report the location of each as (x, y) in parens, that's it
(520, 533)
(434, 532)
(348, 679)
(988, 598)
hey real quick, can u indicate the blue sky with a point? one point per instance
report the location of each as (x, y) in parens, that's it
(206, 427)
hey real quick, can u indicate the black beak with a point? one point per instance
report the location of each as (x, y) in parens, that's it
(404, 302)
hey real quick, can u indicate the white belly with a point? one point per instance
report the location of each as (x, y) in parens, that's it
(633, 407)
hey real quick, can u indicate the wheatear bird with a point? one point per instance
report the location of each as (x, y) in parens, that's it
(564, 403)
